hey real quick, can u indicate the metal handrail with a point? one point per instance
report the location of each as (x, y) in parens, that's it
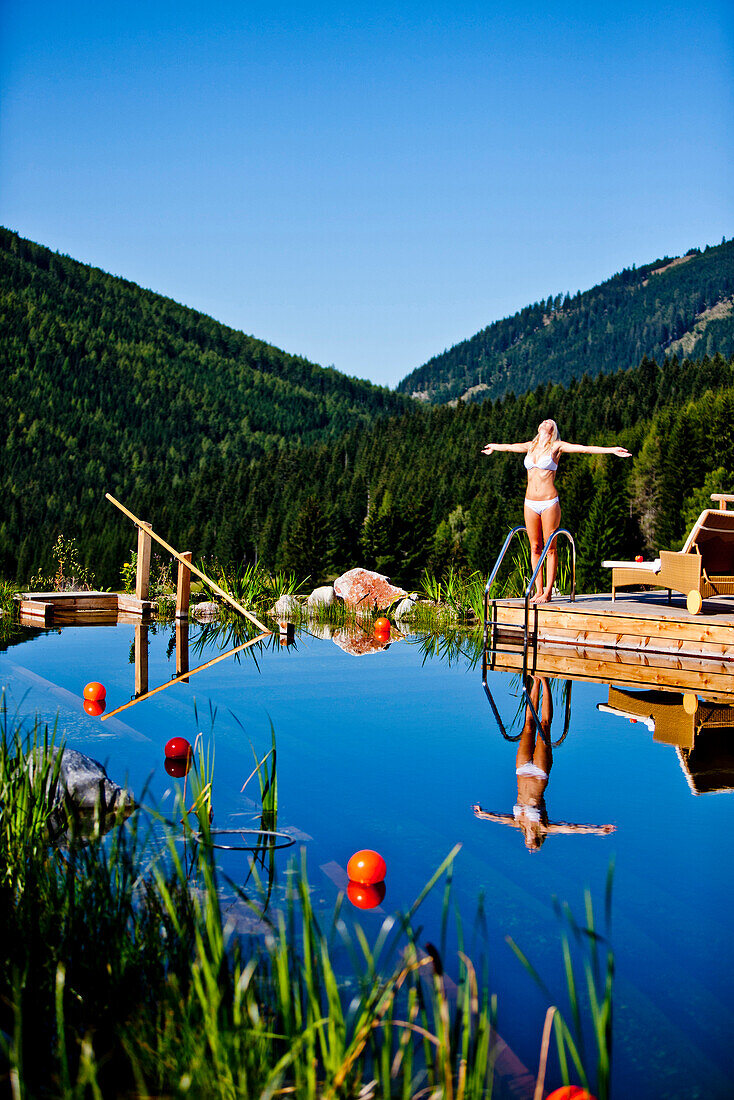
(529, 703)
(538, 567)
(493, 574)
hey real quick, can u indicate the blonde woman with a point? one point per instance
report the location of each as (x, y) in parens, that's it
(542, 508)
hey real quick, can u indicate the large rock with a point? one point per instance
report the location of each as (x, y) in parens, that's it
(358, 642)
(84, 781)
(363, 588)
(285, 606)
(205, 611)
(324, 595)
(83, 801)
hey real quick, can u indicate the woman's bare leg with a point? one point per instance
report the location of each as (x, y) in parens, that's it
(550, 521)
(534, 529)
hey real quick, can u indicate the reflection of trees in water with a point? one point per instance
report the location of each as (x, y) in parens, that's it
(450, 646)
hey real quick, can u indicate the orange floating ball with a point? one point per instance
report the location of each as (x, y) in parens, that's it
(366, 867)
(177, 766)
(382, 625)
(94, 707)
(364, 896)
(95, 691)
(177, 747)
(570, 1092)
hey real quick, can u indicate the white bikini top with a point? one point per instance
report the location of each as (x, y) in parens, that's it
(546, 463)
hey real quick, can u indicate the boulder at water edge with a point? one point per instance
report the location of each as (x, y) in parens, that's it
(285, 606)
(205, 611)
(363, 588)
(86, 783)
(324, 595)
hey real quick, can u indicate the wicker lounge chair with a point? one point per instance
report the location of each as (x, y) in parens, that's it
(703, 568)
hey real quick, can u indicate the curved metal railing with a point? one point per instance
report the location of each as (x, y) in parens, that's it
(493, 574)
(536, 571)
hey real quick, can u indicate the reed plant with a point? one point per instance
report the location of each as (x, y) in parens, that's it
(250, 584)
(121, 973)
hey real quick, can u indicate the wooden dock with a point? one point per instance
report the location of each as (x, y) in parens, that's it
(643, 623)
(80, 608)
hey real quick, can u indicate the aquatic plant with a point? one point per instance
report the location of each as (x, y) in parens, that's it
(596, 981)
(121, 974)
(69, 573)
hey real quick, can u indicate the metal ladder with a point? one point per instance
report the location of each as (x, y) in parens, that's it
(493, 648)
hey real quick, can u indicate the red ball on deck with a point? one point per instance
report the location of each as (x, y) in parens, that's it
(95, 691)
(94, 707)
(177, 748)
(364, 896)
(570, 1092)
(639, 558)
(366, 867)
(382, 625)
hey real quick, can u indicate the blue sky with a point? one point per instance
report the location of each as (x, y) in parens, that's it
(366, 184)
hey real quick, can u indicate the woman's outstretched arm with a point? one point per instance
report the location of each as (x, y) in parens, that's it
(579, 448)
(521, 447)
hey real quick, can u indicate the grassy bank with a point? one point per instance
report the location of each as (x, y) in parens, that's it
(121, 976)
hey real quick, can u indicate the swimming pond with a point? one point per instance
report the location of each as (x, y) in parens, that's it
(392, 750)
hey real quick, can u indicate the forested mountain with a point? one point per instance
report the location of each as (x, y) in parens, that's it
(415, 491)
(682, 306)
(232, 448)
(105, 384)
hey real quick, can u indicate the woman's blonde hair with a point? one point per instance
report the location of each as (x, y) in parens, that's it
(554, 437)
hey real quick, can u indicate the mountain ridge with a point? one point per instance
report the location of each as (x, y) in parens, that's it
(672, 305)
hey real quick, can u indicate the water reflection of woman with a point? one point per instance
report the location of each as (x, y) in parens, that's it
(533, 765)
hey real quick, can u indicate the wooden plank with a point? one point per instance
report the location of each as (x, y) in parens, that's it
(214, 587)
(710, 678)
(37, 610)
(70, 601)
(132, 605)
(60, 597)
(141, 660)
(85, 618)
(710, 636)
(192, 672)
(182, 649)
(183, 585)
(142, 573)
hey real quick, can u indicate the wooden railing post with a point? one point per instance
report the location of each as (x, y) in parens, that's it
(182, 649)
(142, 576)
(183, 586)
(141, 660)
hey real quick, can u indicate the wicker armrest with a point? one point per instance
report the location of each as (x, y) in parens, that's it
(681, 572)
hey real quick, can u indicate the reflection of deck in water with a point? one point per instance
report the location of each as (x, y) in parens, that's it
(644, 623)
(687, 703)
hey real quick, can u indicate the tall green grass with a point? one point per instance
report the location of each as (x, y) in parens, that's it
(121, 974)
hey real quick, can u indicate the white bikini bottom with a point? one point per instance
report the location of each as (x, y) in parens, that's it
(540, 506)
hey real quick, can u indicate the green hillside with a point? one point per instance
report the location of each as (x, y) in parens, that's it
(682, 306)
(106, 386)
(235, 449)
(414, 491)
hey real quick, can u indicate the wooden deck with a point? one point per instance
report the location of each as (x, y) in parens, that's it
(643, 623)
(622, 668)
(79, 608)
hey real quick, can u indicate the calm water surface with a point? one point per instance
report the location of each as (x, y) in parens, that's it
(391, 751)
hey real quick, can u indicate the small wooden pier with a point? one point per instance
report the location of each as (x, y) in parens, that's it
(80, 608)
